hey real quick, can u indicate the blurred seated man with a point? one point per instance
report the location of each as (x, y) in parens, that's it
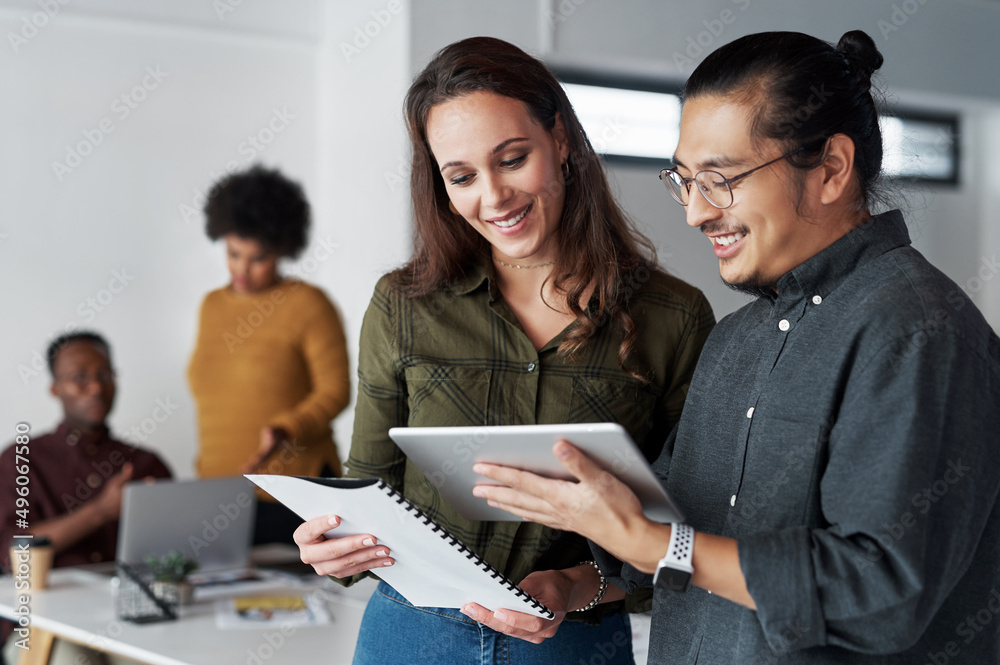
(76, 473)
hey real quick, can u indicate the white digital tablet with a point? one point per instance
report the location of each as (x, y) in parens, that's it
(446, 456)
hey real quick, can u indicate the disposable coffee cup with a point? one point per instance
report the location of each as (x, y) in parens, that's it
(31, 561)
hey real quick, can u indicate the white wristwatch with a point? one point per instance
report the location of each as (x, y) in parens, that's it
(674, 571)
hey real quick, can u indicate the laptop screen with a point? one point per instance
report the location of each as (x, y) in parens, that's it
(210, 521)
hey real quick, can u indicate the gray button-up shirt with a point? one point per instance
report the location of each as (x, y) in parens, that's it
(847, 433)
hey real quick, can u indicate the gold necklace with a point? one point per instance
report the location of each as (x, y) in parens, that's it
(514, 265)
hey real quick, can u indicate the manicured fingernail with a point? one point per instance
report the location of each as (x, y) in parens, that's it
(477, 492)
(500, 615)
(478, 468)
(466, 610)
(562, 452)
(387, 563)
(367, 542)
(381, 552)
(334, 520)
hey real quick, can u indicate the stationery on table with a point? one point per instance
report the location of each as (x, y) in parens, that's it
(274, 610)
(432, 568)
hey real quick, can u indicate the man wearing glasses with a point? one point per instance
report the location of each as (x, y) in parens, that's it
(838, 458)
(75, 474)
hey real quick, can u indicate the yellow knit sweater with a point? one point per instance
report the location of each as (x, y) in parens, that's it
(276, 358)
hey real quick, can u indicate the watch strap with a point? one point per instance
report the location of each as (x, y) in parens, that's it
(675, 570)
(680, 549)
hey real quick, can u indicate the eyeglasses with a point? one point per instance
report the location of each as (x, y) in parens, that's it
(714, 186)
(82, 380)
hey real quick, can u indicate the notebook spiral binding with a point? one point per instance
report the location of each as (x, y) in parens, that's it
(469, 554)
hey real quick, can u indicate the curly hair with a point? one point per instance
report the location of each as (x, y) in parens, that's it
(598, 244)
(260, 204)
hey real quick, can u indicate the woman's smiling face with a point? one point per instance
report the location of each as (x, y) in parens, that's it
(502, 172)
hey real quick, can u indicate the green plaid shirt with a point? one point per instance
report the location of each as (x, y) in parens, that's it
(459, 357)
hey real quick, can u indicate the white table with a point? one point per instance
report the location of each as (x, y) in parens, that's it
(78, 606)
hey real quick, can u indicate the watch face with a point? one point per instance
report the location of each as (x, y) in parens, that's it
(671, 579)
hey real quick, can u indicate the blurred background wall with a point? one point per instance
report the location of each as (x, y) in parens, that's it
(118, 115)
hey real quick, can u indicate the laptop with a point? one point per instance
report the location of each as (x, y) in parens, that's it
(210, 521)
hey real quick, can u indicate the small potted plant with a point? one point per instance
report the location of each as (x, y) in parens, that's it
(170, 573)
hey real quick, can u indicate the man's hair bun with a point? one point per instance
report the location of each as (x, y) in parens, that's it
(861, 53)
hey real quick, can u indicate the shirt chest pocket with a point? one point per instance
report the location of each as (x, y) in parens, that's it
(631, 404)
(447, 396)
(780, 474)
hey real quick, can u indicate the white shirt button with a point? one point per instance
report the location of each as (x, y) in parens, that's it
(750, 412)
(531, 367)
(732, 500)
(784, 325)
(817, 300)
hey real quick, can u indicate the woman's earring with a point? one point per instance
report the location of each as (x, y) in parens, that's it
(451, 206)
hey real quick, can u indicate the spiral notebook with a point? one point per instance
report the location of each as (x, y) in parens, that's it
(432, 569)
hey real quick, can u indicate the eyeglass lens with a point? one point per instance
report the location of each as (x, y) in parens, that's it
(712, 184)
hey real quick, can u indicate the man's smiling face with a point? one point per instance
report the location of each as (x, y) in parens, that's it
(761, 236)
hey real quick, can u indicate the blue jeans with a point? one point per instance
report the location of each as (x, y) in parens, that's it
(393, 631)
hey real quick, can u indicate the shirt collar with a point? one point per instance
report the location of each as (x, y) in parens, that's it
(823, 273)
(479, 272)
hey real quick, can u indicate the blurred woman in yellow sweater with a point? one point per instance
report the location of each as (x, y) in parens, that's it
(269, 369)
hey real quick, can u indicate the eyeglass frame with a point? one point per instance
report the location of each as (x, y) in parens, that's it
(665, 173)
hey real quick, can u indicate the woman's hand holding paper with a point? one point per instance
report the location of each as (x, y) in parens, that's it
(559, 590)
(340, 557)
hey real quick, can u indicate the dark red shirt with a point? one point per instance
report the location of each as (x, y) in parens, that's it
(66, 469)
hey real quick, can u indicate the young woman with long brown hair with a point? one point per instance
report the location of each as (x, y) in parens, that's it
(530, 298)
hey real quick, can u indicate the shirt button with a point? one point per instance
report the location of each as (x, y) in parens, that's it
(732, 500)
(784, 325)
(817, 300)
(750, 412)
(531, 367)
